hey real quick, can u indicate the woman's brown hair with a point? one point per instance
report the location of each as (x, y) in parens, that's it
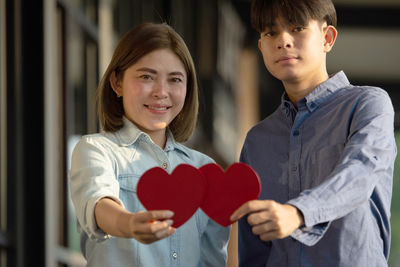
(135, 44)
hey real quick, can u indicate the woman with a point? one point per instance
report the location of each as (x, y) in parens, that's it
(147, 104)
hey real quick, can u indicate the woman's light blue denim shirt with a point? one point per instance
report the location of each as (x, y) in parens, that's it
(110, 165)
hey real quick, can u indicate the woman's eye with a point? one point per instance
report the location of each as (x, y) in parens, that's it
(146, 77)
(176, 80)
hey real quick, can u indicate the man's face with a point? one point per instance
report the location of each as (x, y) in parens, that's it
(294, 53)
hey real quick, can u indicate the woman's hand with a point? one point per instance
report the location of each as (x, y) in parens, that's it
(150, 226)
(145, 226)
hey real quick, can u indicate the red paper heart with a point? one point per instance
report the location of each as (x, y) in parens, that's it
(227, 191)
(182, 191)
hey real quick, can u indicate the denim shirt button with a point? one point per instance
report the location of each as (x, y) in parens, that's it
(165, 165)
(174, 255)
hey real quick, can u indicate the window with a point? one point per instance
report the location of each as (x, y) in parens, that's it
(76, 79)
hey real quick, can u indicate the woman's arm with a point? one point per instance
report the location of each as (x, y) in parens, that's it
(144, 226)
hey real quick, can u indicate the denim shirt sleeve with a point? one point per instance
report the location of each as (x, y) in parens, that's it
(91, 178)
(367, 159)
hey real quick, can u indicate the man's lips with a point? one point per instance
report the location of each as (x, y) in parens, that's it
(286, 59)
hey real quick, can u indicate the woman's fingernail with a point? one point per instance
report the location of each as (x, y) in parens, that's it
(169, 222)
(162, 233)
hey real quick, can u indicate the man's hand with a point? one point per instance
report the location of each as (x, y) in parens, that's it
(269, 219)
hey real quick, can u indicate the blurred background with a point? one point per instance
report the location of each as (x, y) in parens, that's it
(53, 53)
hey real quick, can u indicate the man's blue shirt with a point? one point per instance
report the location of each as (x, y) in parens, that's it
(333, 159)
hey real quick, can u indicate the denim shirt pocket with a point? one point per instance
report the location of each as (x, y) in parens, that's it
(127, 193)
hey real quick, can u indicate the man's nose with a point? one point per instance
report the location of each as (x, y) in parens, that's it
(285, 40)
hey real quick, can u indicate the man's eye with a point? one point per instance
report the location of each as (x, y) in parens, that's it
(298, 29)
(269, 34)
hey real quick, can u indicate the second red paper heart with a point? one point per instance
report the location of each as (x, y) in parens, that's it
(227, 191)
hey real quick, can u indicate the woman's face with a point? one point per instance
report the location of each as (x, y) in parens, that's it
(153, 91)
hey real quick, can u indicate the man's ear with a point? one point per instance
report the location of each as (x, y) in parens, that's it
(115, 84)
(259, 44)
(330, 38)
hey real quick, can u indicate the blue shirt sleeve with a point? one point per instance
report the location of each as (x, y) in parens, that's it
(366, 160)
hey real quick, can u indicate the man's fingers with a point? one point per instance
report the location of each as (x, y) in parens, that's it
(243, 210)
(250, 207)
(259, 217)
(264, 228)
(269, 236)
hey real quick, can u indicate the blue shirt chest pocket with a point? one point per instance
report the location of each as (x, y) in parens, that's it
(127, 192)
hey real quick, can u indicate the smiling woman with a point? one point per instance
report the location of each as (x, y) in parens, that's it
(153, 92)
(111, 107)
(147, 104)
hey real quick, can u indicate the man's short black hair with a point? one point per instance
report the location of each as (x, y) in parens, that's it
(294, 12)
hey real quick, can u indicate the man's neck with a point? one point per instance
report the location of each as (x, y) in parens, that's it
(299, 89)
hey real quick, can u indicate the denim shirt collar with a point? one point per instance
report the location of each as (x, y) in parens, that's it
(130, 134)
(319, 95)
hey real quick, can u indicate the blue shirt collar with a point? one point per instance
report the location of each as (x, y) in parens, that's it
(323, 91)
(130, 134)
(320, 94)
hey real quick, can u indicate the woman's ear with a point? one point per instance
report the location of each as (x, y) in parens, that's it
(115, 84)
(330, 38)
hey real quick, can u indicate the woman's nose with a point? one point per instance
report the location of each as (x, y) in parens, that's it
(160, 89)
